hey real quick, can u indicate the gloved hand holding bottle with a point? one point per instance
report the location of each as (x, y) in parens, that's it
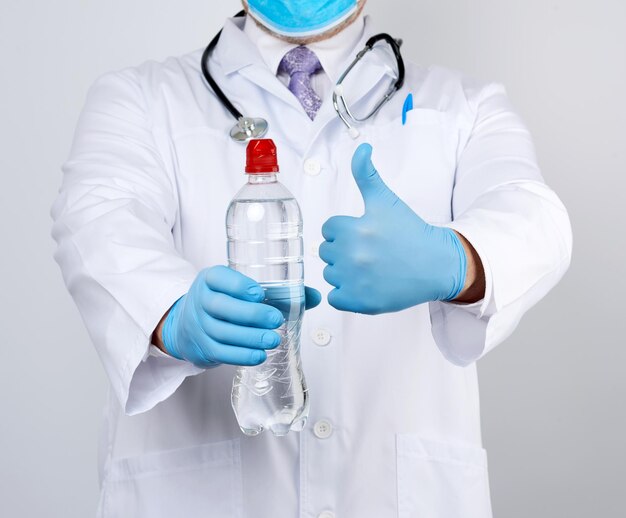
(388, 259)
(221, 319)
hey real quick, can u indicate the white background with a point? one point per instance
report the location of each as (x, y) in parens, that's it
(553, 394)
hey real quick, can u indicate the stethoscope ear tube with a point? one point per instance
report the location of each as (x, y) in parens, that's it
(395, 47)
(339, 101)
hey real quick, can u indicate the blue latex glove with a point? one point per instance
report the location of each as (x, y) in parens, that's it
(221, 320)
(388, 259)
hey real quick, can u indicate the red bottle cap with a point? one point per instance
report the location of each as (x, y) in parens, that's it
(261, 156)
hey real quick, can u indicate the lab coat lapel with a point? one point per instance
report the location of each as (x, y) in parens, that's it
(265, 79)
(237, 54)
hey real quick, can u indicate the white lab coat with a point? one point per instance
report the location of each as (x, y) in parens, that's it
(394, 425)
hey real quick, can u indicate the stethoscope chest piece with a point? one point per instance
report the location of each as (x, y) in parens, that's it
(248, 128)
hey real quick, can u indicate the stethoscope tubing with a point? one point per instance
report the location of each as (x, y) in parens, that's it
(337, 93)
(209, 78)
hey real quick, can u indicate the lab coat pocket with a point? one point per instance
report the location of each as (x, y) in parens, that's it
(441, 480)
(202, 481)
(417, 160)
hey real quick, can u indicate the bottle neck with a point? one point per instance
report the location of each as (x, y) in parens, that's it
(262, 178)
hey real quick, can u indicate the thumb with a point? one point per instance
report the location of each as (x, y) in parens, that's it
(367, 178)
(312, 297)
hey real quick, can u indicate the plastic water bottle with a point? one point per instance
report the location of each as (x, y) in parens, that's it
(264, 229)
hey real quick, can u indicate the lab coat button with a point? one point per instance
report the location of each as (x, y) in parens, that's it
(312, 167)
(326, 514)
(321, 337)
(314, 250)
(322, 429)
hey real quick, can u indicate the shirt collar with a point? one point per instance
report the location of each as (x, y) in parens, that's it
(332, 52)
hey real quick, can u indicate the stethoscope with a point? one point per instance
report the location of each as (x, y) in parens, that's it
(256, 127)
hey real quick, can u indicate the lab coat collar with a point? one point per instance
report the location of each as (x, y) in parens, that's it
(334, 53)
(235, 52)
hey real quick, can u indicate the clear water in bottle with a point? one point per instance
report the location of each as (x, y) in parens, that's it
(264, 230)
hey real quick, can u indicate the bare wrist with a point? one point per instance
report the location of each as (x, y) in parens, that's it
(474, 287)
(157, 335)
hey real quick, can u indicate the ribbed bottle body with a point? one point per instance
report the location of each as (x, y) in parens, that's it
(264, 230)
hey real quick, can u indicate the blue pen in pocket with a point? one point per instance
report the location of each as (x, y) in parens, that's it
(407, 107)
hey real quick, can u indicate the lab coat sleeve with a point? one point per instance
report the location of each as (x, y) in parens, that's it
(112, 222)
(518, 226)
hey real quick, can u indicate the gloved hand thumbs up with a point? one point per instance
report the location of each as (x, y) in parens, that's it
(373, 189)
(389, 259)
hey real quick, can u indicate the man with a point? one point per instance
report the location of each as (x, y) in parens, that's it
(458, 217)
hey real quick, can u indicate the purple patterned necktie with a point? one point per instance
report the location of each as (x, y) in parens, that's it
(301, 63)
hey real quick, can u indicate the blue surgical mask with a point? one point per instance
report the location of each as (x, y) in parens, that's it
(298, 18)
